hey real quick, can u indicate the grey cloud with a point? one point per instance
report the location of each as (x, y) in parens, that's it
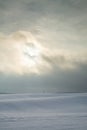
(26, 14)
(64, 61)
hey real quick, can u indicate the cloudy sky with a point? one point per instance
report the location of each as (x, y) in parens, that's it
(43, 46)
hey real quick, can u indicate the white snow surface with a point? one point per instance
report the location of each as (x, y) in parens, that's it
(64, 111)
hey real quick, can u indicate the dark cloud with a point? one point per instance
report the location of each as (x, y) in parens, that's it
(56, 81)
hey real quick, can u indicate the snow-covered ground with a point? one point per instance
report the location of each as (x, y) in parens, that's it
(43, 111)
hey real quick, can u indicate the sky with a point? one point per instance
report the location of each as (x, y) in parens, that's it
(43, 46)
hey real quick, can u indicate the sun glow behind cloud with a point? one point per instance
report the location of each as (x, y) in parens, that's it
(31, 51)
(21, 53)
